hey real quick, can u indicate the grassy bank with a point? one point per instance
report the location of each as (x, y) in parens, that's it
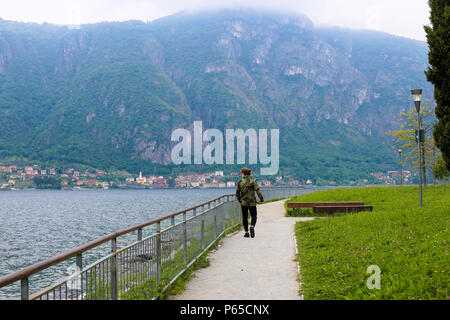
(408, 243)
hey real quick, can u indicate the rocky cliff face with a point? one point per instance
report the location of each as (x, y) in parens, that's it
(110, 94)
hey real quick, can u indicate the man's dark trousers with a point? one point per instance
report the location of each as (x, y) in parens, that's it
(253, 213)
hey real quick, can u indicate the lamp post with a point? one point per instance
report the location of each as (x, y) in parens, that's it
(401, 169)
(417, 96)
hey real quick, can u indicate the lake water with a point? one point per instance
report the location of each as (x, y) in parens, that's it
(38, 224)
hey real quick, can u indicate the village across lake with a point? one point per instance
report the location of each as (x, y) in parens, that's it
(13, 177)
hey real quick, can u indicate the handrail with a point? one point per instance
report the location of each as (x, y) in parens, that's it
(39, 266)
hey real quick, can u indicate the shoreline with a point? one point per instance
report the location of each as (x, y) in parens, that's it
(101, 189)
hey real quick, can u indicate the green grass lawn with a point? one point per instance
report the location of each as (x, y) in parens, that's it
(408, 243)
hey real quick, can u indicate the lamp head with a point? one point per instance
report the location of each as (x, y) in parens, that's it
(417, 96)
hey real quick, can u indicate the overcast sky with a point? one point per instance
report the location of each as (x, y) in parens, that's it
(400, 17)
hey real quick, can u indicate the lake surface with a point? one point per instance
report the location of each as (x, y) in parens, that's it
(38, 224)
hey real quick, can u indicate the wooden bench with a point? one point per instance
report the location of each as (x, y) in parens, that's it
(293, 205)
(344, 209)
(332, 207)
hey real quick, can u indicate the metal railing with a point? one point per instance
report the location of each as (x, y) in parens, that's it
(147, 267)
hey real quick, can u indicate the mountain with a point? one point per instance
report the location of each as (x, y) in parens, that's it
(109, 95)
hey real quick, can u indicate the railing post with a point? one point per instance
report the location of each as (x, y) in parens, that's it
(195, 212)
(185, 237)
(114, 269)
(24, 289)
(215, 224)
(172, 221)
(79, 261)
(239, 212)
(139, 235)
(223, 216)
(232, 214)
(158, 252)
(228, 207)
(203, 230)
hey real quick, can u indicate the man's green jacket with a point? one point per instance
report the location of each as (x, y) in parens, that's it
(245, 192)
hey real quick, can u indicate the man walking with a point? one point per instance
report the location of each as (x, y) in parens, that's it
(245, 193)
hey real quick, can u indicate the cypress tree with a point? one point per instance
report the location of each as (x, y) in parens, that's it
(438, 37)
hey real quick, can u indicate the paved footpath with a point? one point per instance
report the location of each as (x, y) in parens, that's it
(262, 268)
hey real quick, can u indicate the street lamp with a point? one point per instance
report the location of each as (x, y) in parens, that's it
(417, 96)
(401, 169)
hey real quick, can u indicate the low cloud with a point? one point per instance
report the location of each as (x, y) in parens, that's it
(400, 17)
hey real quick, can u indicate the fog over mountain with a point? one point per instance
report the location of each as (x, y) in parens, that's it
(400, 17)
